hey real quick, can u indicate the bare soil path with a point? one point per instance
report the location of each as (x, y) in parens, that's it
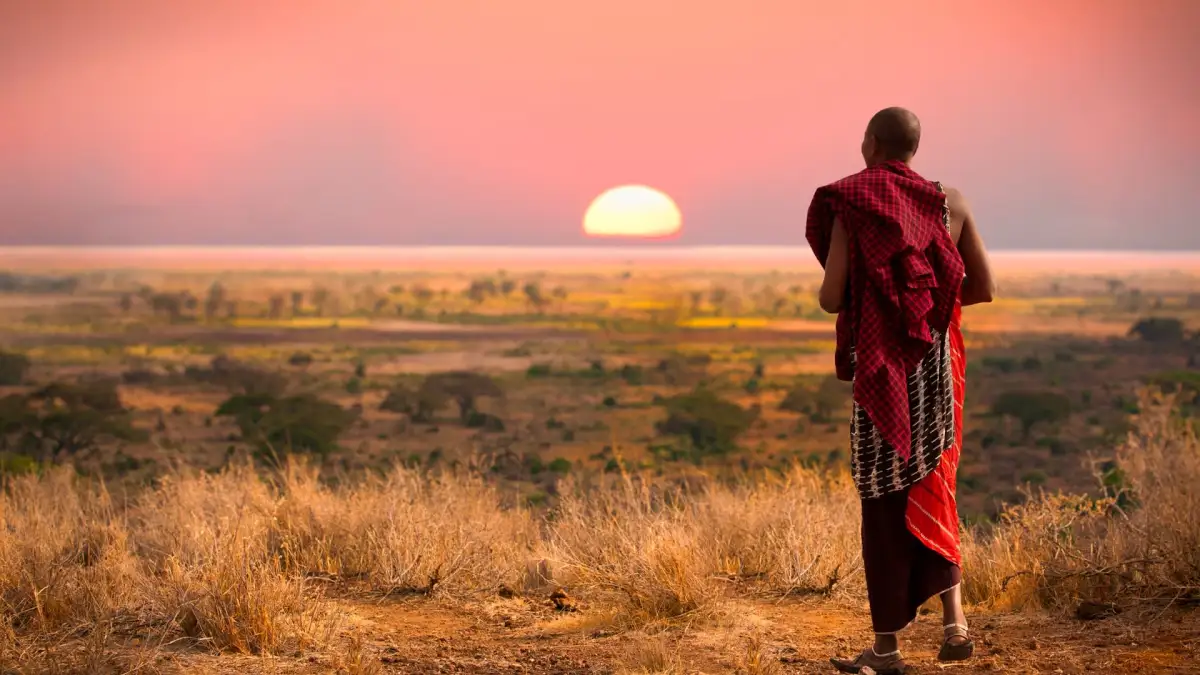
(507, 636)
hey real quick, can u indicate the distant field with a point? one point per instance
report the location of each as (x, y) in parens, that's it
(585, 353)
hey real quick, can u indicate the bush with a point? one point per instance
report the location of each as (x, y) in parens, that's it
(820, 405)
(418, 405)
(560, 465)
(291, 424)
(300, 359)
(1057, 446)
(1158, 330)
(1032, 407)
(1034, 477)
(462, 387)
(13, 368)
(13, 464)
(62, 421)
(1003, 364)
(484, 421)
(711, 423)
(538, 370)
(632, 375)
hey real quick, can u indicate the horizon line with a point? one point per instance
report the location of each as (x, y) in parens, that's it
(607, 248)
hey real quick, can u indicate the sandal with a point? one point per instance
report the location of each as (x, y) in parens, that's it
(881, 664)
(956, 651)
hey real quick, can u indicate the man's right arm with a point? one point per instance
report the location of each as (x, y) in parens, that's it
(979, 287)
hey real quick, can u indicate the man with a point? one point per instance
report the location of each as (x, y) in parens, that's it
(902, 256)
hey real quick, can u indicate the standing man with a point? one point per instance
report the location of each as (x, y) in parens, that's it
(902, 256)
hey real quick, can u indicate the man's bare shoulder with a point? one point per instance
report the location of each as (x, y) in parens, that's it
(956, 201)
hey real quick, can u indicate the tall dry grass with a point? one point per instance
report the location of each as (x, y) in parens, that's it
(1138, 542)
(667, 553)
(238, 561)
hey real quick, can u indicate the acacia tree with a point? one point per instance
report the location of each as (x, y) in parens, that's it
(64, 420)
(533, 295)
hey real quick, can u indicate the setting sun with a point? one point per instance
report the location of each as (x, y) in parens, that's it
(632, 211)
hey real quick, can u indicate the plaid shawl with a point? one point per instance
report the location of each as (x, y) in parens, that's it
(905, 276)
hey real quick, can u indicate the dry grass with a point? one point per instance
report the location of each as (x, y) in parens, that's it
(668, 554)
(653, 656)
(236, 562)
(1140, 544)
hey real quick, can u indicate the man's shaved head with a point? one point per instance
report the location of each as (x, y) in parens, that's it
(893, 133)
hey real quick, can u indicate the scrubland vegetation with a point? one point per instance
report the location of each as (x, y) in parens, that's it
(650, 456)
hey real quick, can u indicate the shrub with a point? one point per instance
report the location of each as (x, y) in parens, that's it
(300, 359)
(277, 426)
(632, 375)
(13, 368)
(61, 421)
(820, 405)
(538, 370)
(1032, 407)
(1158, 330)
(462, 387)
(418, 405)
(711, 423)
(1003, 364)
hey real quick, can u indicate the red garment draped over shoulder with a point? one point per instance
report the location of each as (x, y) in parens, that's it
(905, 276)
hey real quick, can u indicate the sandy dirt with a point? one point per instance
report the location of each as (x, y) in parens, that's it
(519, 635)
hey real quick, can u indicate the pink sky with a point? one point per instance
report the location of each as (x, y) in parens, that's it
(1069, 123)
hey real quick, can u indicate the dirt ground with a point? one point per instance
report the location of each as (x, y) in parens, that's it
(528, 636)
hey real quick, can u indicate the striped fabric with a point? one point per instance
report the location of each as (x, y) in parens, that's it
(876, 467)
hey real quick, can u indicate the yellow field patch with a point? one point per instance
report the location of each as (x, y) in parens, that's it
(724, 322)
(301, 322)
(622, 303)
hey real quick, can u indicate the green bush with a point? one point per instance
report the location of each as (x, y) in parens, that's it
(280, 425)
(632, 375)
(1035, 477)
(13, 368)
(64, 420)
(711, 423)
(15, 464)
(1032, 407)
(1003, 364)
(1159, 330)
(539, 370)
(560, 465)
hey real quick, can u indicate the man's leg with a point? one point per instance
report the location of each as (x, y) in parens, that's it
(952, 609)
(957, 645)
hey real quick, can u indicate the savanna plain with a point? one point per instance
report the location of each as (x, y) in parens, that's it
(315, 465)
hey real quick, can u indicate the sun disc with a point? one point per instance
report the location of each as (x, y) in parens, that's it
(635, 211)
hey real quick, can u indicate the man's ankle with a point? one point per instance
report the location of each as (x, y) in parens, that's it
(886, 644)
